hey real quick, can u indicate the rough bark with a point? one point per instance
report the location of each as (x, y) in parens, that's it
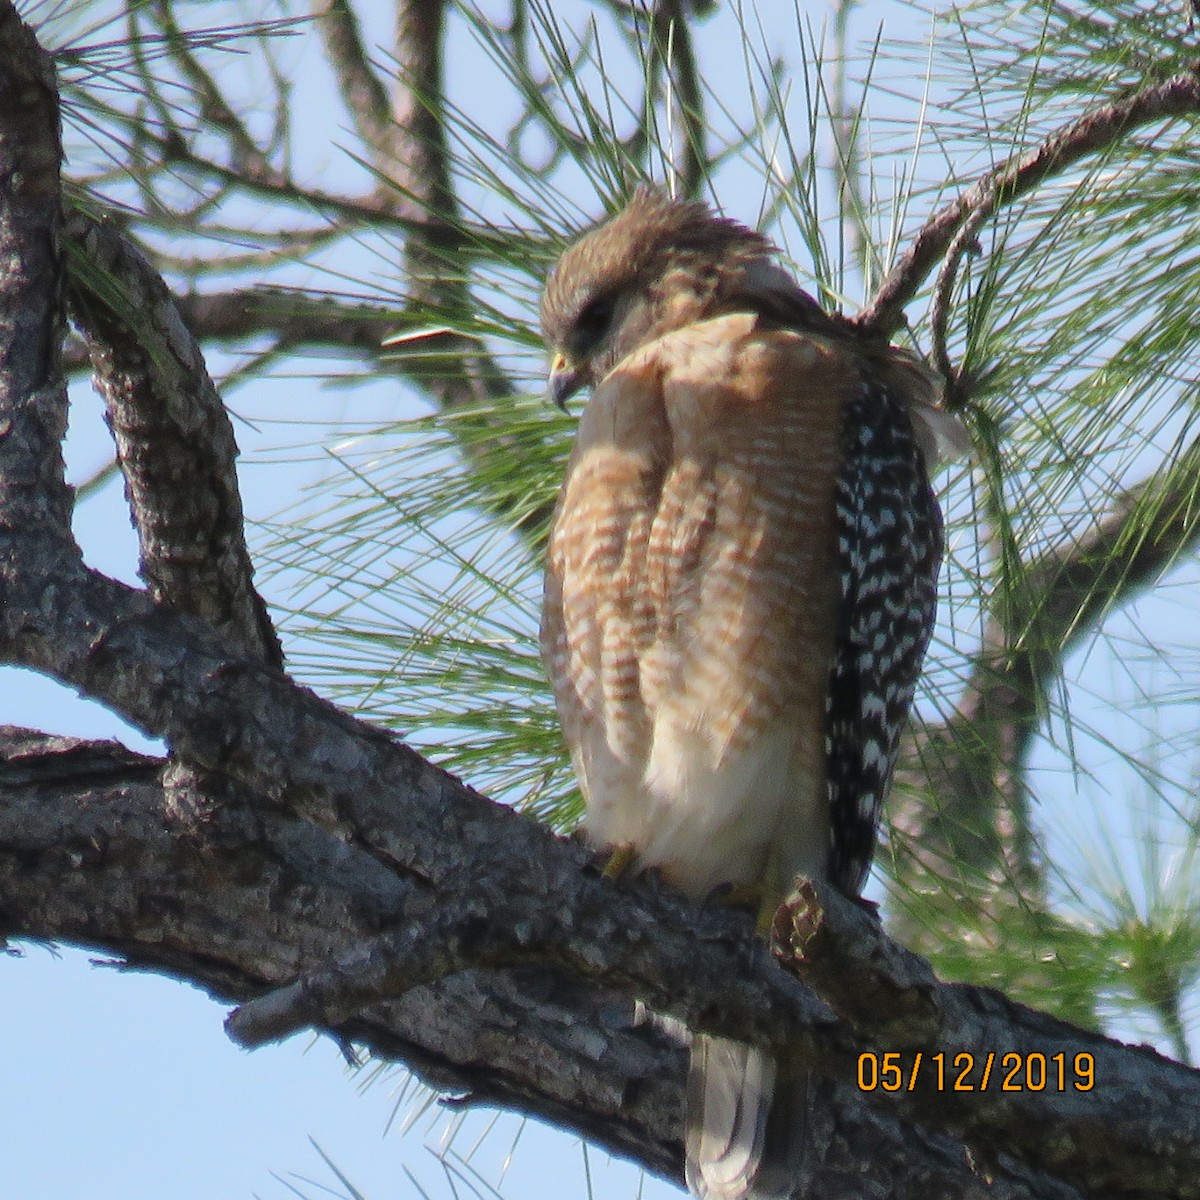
(499, 989)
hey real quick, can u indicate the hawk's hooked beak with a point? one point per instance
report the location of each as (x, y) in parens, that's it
(565, 379)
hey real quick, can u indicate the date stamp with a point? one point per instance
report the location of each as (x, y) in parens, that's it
(976, 1072)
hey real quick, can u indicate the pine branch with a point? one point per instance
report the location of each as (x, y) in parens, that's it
(1089, 134)
(86, 834)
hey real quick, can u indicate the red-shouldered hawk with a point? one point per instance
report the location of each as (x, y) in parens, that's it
(740, 588)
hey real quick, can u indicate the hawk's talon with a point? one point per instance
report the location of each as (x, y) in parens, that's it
(735, 895)
(620, 859)
(757, 898)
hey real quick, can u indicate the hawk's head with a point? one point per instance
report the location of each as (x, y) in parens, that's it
(658, 265)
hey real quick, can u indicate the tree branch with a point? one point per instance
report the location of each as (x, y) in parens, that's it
(1148, 530)
(466, 240)
(456, 372)
(291, 319)
(175, 441)
(1094, 131)
(366, 97)
(211, 105)
(34, 498)
(996, 1053)
(92, 851)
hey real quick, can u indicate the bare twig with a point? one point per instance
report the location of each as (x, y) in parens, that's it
(966, 241)
(212, 108)
(465, 239)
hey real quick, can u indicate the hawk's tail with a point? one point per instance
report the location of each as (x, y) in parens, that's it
(746, 1122)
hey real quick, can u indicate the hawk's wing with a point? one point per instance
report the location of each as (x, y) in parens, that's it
(889, 552)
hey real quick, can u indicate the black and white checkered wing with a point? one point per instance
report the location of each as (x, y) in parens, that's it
(889, 545)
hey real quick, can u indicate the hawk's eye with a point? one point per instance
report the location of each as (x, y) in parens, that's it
(593, 323)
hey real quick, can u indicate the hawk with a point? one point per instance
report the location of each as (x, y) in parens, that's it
(740, 587)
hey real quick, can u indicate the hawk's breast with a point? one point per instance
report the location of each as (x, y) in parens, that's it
(689, 613)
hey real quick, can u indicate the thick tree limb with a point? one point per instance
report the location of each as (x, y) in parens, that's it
(175, 442)
(93, 851)
(33, 416)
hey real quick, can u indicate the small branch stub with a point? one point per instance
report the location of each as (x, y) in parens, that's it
(838, 947)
